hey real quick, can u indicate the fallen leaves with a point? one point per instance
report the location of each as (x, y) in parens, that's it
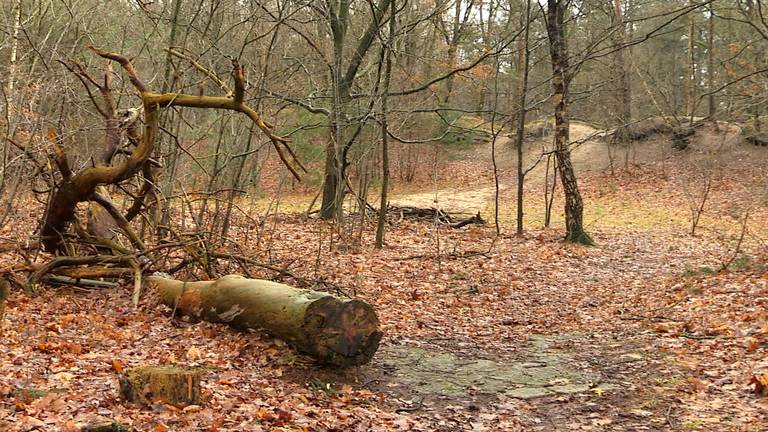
(699, 339)
(117, 366)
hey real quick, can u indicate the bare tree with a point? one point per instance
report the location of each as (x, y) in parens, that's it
(382, 217)
(561, 78)
(522, 94)
(82, 186)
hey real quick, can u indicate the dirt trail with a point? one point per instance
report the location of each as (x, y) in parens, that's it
(588, 153)
(586, 156)
(452, 200)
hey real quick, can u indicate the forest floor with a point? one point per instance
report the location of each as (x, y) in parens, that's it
(651, 329)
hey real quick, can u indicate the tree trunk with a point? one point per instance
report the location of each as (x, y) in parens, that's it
(14, 52)
(453, 48)
(162, 216)
(558, 49)
(333, 183)
(342, 79)
(331, 178)
(711, 63)
(9, 90)
(332, 330)
(522, 93)
(691, 81)
(624, 96)
(382, 217)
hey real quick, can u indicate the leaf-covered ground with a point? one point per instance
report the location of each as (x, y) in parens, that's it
(673, 339)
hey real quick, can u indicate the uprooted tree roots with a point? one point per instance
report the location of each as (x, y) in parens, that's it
(102, 242)
(124, 163)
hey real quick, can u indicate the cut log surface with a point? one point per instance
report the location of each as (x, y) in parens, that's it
(148, 384)
(332, 330)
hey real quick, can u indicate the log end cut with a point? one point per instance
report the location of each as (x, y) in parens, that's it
(149, 384)
(345, 333)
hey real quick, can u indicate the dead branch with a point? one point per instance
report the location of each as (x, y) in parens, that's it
(80, 282)
(82, 186)
(432, 214)
(122, 222)
(66, 261)
(205, 71)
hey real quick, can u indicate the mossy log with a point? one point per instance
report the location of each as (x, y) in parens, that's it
(148, 384)
(332, 330)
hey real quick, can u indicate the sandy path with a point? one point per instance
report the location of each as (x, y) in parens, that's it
(588, 155)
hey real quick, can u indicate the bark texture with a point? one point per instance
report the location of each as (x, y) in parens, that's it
(558, 49)
(332, 330)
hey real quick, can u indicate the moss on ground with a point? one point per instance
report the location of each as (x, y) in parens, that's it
(541, 372)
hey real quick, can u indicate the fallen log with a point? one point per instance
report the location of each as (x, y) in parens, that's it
(757, 139)
(332, 330)
(93, 272)
(681, 137)
(432, 213)
(646, 128)
(476, 219)
(422, 213)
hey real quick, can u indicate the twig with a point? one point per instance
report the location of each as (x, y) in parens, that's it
(66, 261)
(284, 272)
(737, 249)
(419, 405)
(669, 417)
(65, 280)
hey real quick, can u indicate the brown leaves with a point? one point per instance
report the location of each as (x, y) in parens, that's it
(278, 417)
(707, 331)
(117, 366)
(59, 347)
(665, 327)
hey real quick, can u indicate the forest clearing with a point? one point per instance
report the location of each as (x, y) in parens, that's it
(389, 215)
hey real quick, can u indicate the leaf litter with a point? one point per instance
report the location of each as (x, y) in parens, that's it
(672, 340)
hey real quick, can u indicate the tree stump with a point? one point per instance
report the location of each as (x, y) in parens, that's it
(341, 332)
(110, 426)
(148, 384)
